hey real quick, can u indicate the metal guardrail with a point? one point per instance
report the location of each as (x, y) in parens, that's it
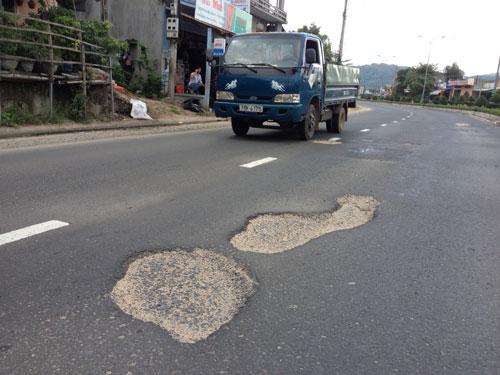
(266, 6)
(51, 46)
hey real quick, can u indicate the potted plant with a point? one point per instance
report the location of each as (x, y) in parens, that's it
(63, 17)
(8, 48)
(32, 51)
(32, 4)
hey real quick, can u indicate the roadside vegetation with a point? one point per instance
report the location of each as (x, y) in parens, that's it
(464, 103)
(139, 78)
(410, 84)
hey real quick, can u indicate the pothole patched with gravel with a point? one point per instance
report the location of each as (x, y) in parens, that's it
(191, 294)
(276, 233)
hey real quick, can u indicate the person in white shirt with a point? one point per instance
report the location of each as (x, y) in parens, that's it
(195, 81)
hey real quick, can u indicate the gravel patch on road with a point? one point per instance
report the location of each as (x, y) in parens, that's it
(323, 142)
(191, 294)
(276, 233)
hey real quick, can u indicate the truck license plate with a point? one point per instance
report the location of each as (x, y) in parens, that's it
(251, 108)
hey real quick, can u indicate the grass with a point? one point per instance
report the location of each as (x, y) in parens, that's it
(14, 117)
(175, 110)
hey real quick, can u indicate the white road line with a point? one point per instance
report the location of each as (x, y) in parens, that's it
(404, 119)
(383, 125)
(32, 230)
(395, 122)
(334, 139)
(258, 162)
(365, 130)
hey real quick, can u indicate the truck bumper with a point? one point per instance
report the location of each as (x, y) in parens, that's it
(272, 112)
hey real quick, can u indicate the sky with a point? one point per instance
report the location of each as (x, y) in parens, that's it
(387, 31)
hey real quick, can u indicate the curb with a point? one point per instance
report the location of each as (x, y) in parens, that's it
(117, 126)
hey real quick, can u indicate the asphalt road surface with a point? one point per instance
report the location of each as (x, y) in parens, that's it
(413, 291)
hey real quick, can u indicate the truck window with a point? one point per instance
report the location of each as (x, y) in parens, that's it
(280, 50)
(313, 44)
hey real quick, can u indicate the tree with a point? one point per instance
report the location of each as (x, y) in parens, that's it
(415, 77)
(330, 56)
(453, 72)
(400, 80)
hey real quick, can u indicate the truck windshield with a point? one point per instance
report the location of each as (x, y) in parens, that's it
(265, 50)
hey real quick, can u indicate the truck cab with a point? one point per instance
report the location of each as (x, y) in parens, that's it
(277, 77)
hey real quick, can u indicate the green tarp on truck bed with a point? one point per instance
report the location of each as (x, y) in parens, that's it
(342, 75)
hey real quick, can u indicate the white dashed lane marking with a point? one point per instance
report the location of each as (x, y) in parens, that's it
(258, 162)
(383, 125)
(395, 122)
(32, 230)
(365, 130)
(334, 139)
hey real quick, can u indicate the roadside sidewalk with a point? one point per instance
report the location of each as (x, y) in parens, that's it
(49, 129)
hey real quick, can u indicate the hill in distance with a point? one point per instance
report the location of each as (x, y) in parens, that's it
(375, 76)
(491, 76)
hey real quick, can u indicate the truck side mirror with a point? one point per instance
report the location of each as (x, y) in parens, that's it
(210, 55)
(310, 56)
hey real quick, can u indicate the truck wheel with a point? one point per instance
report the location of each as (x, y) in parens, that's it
(240, 127)
(336, 123)
(306, 128)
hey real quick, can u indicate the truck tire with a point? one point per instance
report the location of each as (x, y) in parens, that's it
(240, 127)
(307, 127)
(336, 123)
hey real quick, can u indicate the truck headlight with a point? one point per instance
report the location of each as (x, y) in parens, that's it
(224, 95)
(287, 98)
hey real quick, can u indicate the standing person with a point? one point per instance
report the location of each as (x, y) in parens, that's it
(195, 81)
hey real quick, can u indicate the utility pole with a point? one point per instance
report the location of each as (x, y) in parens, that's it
(172, 35)
(427, 66)
(496, 79)
(341, 46)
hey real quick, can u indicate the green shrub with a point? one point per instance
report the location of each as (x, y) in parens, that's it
(496, 100)
(121, 76)
(435, 100)
(151, 85)
(13, 117)
(8, 48)
(481, 102)
(33, 51)
(461, 100)
(470, 101)
(77, 108)
(443, 100)
(97, 33)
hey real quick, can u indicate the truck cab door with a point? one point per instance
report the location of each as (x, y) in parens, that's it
(313, 75)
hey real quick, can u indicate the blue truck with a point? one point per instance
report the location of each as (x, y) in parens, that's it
(282, 80)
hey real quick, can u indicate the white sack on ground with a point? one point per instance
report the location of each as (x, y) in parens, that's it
(139, 110)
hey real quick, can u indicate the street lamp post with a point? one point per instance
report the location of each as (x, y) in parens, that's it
(427, 66)
(496, 79)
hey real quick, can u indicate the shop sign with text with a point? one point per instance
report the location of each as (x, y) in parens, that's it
(238, 21)
(244, 5)
(219, 47)
(212, 12)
